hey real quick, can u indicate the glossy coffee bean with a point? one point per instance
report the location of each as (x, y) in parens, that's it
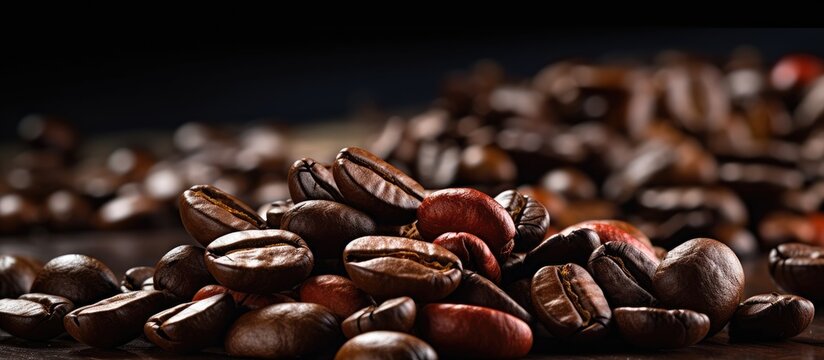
(386, 266)
(624, 274)
(799, 268)
(208, 213)
(244, 301)
(470, 211)
(375, 187)
(530, 217)
(134, 278)
(473, 253)
(17, 273)
(570, 304)
(336, 293)
(182, 272)
(575, 247)
(341, 224)
(284, 331)
(659, 328)
(702, 275)
(396, 314)
(259, 261)
(388, 345)
(310, 180)
(614, 230)
(275, 212)
(771, 317)
(477, 290)
(79, 278)
(37, 317)
(474, 332)
(191, 326)
(116, 320)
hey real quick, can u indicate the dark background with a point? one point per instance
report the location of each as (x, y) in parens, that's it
(106, 85)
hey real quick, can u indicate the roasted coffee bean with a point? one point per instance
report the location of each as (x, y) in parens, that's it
(17, 273)
(275, 212)
(570, 304)
(575, 247)
(386, 266)
(67, 210)
(477, 290)
(208, 213)
(410, 231)
(521, 292)
(471, 211)
(659, 328)
(337, 293)
(79, 278)
(341, 224)
(771, 317)
(396, 314)
(310, 180)
(530, 217)
(614, 230)
(473, 253)
(388, 345)
(284, 331)
(702, 275)
(135, 277)
(182, 272)
(116, 320)
(259, 261)
(799, 268)
(474, 332)
(514, 268)
(37, 317)
(49, 132)
(193, 325)
(376, 187)
(127, 211)
(243, 300)
(486, 165)
(624, 274)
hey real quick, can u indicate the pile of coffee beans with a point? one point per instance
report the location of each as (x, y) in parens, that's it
(363, 262)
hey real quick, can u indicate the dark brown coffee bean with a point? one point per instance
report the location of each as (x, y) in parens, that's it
(396, 314)
(336, 293)
(310, 180)
(79, 278)
(486, 165)
(274, 213)
(473, 253)
(208, 213)
(437, 163)
(135, 277)
(67, 210)
(514, 268)
(17, 273)
(387, 345)
(470, 211)
(702, 275)
(17, 213)
(182, 272)
(530, 217)
(386, 266)
(659, 328)
(127, 211)
(284, 331)
(243, 300)
(117, 320)
(615, 230)
(521, 292)
(48, 131)
(799, 268)
(575, 247)
(771, 317)
(37, 317)
(570, 304)
(477, 290)
(192, 326)
(624, 274)
(376, 187)
(570, 183)
(259, 261)
(341, 224)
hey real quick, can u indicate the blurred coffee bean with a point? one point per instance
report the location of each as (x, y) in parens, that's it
(486, 165)
(437, 164)
(133, 163)
(570, 183)
(48, 131)
(67, 210)
(17, 213)
(797, 269)
(128, 211)
(796, 72)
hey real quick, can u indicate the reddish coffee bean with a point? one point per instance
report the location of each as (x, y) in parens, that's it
(614, 230)
(396, 314)
(796, 72)
(337, 293)
(473, 252)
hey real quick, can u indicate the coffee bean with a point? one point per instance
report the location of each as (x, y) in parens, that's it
(49, 132)
(473, 253)
(514, 268)
(471, 211)
(530, 217)
(283, 331)
(337, 293)
(182, 272)
(310, 180)
(624, 274)
(193, 325)
(486, 165)
(575, 247)
(410, 231)
(259, 261)
(614, 230)
(474, 332)
(376, 187)
(771, 317)
(798, 268)
(208, 213)
(67, 210)
(659, 328)
(386, 345)
(117, 320)
(477, 290)
(37, 317)
(127, 211)
(134, 278)
(396, 314)
(385, 267)
(17, 273)
(570, 304)
(79, 278)
(702, 275)
(244, 301)
(274, 213)
(341, 224)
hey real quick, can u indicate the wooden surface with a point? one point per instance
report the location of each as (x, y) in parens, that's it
(124, 250)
